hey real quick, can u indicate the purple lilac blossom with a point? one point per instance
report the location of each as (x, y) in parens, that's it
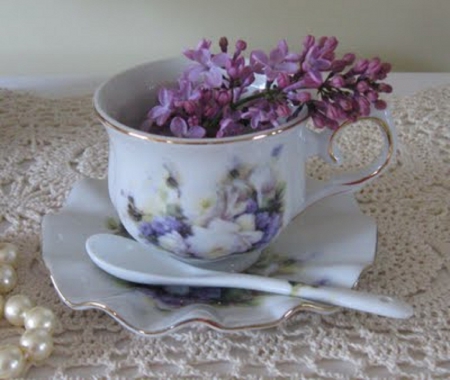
(161, 113)
(187, 91)
(262, 115)
(215, 98)
(180, 128)
(278, 61)
(208, 66)
(229, 127)
(319, 57)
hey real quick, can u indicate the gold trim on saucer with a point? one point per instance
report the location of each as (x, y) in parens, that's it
(304, 306)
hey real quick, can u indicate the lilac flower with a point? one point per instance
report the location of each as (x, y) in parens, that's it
(223, 97)
(383, 87)
(335, 112)
(208, 67)
(217, 96)
(299, 97)
(306, 81)
(363, 104)
(318, 110)
(360, 66)
(161, 113)
(241, 45)
(318, 58)
(261, 115)
(238, 70)
(187, 91)
(278, 61)
(338, 65)
(223, 43)
(380, 104)
(283, 80)
(230, 127)
(180, 128)
(241, 76)
(337, 81)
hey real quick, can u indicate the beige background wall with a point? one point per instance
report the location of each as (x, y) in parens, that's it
(104, 36)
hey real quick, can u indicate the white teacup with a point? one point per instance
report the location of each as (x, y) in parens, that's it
(213, 201)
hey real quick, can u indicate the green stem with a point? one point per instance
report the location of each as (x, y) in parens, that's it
(258, 95)
(214, 123)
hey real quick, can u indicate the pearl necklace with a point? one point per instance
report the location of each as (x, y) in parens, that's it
(36, 343)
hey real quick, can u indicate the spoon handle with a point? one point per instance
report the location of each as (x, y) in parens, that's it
(358, 300)
(352, 299)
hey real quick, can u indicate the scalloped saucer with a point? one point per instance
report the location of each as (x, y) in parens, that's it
(329, 243)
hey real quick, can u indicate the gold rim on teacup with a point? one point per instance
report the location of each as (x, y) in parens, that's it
(132, 132)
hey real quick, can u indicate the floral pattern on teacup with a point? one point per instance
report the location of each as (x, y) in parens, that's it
(245, 213)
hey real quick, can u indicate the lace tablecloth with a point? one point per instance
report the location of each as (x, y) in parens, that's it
(48, 144)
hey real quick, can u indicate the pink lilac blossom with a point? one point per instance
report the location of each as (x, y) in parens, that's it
(277, 62)
(217, 95)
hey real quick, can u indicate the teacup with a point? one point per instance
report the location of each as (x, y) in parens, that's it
(213, 202)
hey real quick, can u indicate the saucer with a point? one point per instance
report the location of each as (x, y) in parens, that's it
(330, 243)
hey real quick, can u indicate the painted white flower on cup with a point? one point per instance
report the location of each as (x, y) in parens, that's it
(245, 214)
(221, 237)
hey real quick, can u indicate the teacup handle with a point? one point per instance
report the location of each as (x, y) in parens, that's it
(322, 144)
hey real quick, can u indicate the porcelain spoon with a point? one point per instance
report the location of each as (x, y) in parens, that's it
(129, 260)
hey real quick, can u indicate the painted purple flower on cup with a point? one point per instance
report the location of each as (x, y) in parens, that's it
(269, 223)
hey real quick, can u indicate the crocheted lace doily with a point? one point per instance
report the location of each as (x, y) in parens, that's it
(48, 144)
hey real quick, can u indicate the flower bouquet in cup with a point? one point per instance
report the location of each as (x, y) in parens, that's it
(224, 94)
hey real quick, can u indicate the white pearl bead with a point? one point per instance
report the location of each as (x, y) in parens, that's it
(8, 278)
(37, 343)
(9, 254)
(15, 308)
(40, 317)
(12, 362)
